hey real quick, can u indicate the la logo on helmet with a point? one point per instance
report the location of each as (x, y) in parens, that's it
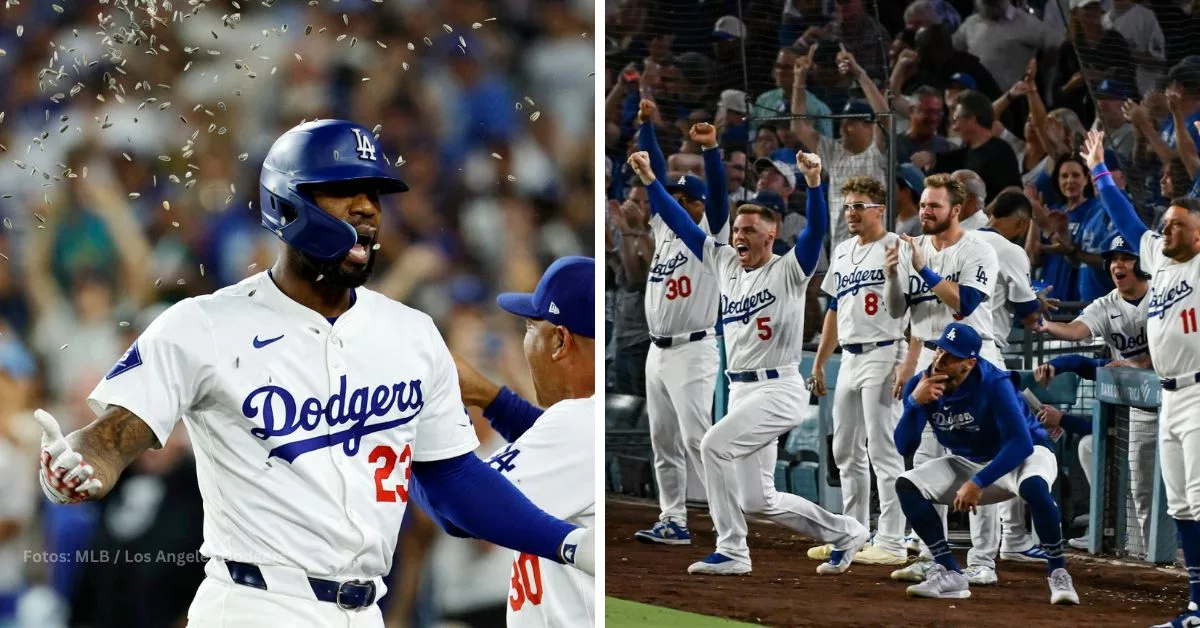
(952, 334)
(366, 150)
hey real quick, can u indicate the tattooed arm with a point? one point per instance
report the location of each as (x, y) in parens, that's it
(85, 464)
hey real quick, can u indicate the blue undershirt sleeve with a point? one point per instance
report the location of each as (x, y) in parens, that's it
(832, 304)
(1082, 366)
(968, 299)
(1018, 444)
(648, 141)
(510, 415)
(912, 421)
(808, 244)
(1119, 207)
(480, 502)
(1077, 423)
(1026, 308)
(676, 218)
(716, 207)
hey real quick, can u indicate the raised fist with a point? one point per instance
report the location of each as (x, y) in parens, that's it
(703, 134)
(646, 110)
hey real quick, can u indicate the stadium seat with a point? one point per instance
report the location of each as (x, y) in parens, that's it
(622, 412)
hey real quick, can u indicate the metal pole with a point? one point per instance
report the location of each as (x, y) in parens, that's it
(890, 217)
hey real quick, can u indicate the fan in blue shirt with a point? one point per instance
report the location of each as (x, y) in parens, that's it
(997, 451)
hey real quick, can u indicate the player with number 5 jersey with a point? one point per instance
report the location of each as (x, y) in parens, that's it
(1173, 261)
(762, 311)
(681, 312)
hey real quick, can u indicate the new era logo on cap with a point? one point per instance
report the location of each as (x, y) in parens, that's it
(554, 308)
(565, 296)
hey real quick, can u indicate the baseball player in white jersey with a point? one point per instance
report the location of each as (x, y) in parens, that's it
(864, 411)
(1173, 261)
(953, 286)
(316, 409)
(1119, 319)
(762, 310)
(681, 312)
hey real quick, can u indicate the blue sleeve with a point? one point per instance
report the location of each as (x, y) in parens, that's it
(1119, 207)
(716, 208)
(808, 244)
(1077, 423)
(648, 141)
(1044, 185)
(476, 501)
(968, 299)
(1026, 308)
(676, 218)
(617, 191)
(1082, 366)
(912, 421)
(832, 304)
(1018, 444)
(510, 415)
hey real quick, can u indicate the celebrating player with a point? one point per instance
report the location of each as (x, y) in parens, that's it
(762, 310)
(681, 299)
(997, 450)
(551, 453)
(864, 410)
(951, 286)
(314, 405)
(1174, 340)
(1119, 318)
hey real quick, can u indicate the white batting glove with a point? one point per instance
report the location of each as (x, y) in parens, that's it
(579, 550)
(64, 477)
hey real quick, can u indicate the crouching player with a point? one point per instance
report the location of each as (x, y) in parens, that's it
(997, 451)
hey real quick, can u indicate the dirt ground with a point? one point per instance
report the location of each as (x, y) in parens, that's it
(785, 590)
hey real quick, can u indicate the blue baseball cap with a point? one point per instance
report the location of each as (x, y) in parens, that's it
(769, 199)
(15, 360)
(692, 187)
(911, 177)
(858, 107)
(1114, 89)
(964, 79)
(566, 296)
(960, 340)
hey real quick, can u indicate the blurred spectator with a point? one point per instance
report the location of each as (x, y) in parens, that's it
(1005, 38)
(937, 63)
(631, 334)
(735, 169)
(1140, 28)
(989, 156)
(910, 184)
(1010, 214)
(925, 122)
(1111, 95)
(732, 130)
(1179, 27)
(1072, 235)
(18, 463)
(972, 215)
(921, 13)
(777, 101)
(859, 33)
(1094, 51)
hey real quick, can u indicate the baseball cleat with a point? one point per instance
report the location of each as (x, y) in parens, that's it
(718, 564)
(1062, 590)
(840, 560)
(1187, 619)
(941, 584)
(1034, 554)
(1079, 543)
(915, 572)
(875, 555)
(665, 533)
(981, 575)
(820, 552)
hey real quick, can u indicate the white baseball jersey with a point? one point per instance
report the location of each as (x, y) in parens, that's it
(1013, 283)
(762, 309)
(553, 463)
(855, 279)
(304, 432)
(1171, 314)
(969, 262)
(681, 293)
(1121, 324)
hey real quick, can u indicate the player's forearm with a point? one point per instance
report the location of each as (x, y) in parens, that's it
(1076, 423)
(111, 443)
(676, 218)
(803, 128)
(948, 292)
(893, 296)
(1074, 330)
(1119, 208)
(829, 340)
(808, 243)
(1082, 366)
(1161, 149)
(716, 208)
(510, 414)
(648, 141)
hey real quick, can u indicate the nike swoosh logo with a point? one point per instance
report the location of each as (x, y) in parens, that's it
(1114, 316)
(259, 344)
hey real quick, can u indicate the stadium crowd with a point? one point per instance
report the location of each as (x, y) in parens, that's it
(132, 134)
(999, 93)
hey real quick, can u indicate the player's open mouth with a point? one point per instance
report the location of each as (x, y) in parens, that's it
(360, 253)
(1119, 275)
(742, 249)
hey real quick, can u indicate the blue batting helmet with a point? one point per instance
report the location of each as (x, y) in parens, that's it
(318, 152)
(1117, 244)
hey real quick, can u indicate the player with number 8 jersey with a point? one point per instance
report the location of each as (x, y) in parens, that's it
(762, 311)
(681, 313)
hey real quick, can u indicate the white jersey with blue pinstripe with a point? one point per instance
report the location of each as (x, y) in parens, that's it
(762, 309)
(855, 280)
(970, 262)
(1171, 314)
(681, 293)
(1121, 324)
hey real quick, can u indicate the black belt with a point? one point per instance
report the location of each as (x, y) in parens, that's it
(752, 376)
(666, 341)
(1172, 383)
(857, 348)
(350, 595)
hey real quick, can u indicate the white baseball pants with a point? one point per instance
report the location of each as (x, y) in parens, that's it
(1179, 451)
(739, 454)
(680, 382)
(865, 415)
(223, 604)
(1143, 439)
